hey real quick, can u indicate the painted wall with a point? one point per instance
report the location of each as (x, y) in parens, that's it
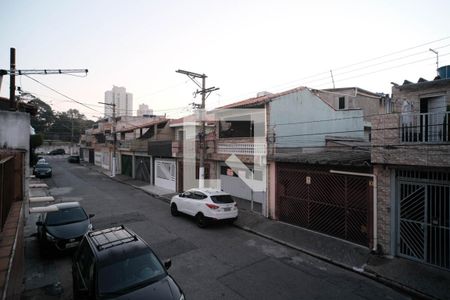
(15, 134)
(302, 119)
(14, 130)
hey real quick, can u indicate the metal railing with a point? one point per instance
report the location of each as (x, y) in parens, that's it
(425, 127)
(242, 148)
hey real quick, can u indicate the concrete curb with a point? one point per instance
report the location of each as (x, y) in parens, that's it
(371, 275)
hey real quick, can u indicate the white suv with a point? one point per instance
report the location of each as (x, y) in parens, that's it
(205, 205)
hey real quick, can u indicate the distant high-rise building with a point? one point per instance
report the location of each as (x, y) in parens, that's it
(144, 110)
(122, 100)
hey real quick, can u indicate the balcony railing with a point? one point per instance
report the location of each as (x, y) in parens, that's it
(242, 148)
(425, 127)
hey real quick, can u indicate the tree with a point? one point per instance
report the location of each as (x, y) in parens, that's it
(44, 118)
(69, 126)
(36, 140)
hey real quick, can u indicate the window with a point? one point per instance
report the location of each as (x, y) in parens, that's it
(198, 196)
(65, 216)
(224, 170)
(129, 273)
(232, 129)
(341, 102)
(220, 199)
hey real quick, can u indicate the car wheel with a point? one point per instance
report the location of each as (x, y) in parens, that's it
(201, 220)
(174, 210)
(232, 220)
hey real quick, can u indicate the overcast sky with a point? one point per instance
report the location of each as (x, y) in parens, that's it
(244, 47)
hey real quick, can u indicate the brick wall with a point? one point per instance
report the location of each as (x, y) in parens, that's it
(383, 207)
(387, 148)
(12, 250)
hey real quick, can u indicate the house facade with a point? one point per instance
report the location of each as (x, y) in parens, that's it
(411, 158)
(143, 149)
(308, 182)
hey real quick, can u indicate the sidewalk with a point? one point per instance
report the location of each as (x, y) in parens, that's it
(419, 280)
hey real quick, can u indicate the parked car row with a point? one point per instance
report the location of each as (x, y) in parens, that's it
(113, 263)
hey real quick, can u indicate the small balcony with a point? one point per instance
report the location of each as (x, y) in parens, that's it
(425, 127)
(413, 139)
(242, 148)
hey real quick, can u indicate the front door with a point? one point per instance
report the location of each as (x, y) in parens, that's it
(424, 221)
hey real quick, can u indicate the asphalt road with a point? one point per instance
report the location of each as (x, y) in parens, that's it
(219, 262)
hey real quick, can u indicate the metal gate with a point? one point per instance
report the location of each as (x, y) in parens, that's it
(127, 165)
(424, 217)
(337, 205)
(142, 165)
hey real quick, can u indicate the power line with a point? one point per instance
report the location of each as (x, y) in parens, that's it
(59, 93)
(94, 105)
(344, 67)
(353, 131)
(389, 68)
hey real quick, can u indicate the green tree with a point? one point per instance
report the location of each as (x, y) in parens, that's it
(36, 140)
(69, 125)
(44, 118)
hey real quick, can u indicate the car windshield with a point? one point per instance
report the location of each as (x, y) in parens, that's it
(65, 216)
(125, 275)
(222, 199)
(43, 166)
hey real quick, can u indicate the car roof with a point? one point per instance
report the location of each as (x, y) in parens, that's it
(209, 191)
(112, 242)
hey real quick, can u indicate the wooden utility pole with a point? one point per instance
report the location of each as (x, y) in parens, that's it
(205, 92)
(12, 79)
(13, 72)
(71, 136)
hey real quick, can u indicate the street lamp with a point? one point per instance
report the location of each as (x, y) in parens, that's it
(437, 60)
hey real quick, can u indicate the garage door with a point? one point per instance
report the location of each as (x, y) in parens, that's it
(127, 165)
(333, 204)
(165, 174)
(142, 166)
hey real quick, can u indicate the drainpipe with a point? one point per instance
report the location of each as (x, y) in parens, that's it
(375, 187)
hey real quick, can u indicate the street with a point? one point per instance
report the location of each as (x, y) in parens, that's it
(219, 262)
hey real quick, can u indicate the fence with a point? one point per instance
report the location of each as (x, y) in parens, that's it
(425, 127)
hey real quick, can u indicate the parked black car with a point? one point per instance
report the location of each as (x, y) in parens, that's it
(74, 159)
(57, 152)
(42, 169)
(62, 226)
(116, 263)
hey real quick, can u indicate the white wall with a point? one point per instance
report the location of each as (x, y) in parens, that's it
(302, 119)
(15, 134)
(14, 130)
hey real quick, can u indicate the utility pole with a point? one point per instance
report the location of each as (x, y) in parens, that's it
(12, 79)
(71, 136)
(205, 92)
(13, 73)
(113, 166)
